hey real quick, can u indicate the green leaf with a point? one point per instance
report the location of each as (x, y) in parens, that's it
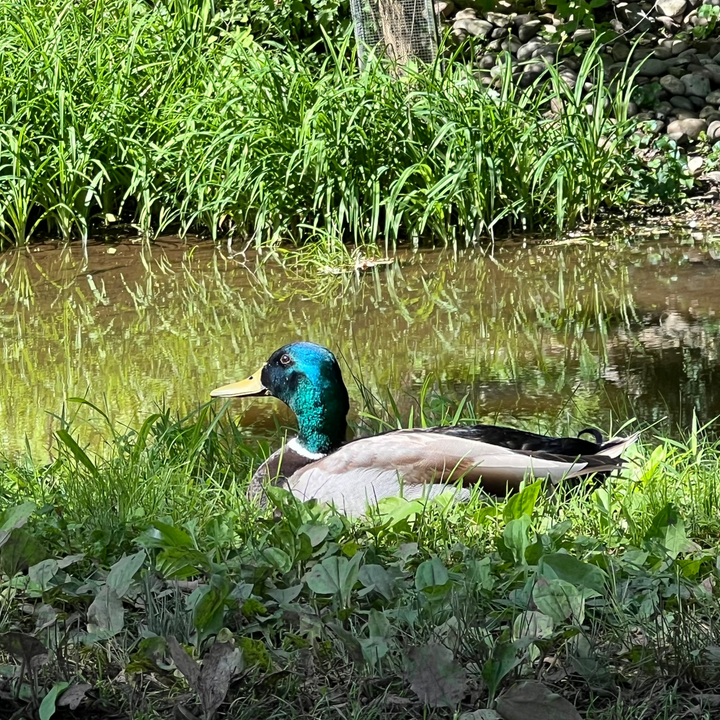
(78, 453)
(43, 573)
(434, 675)
(533, 700)
(565, 567)
(47, 706)
(533, 624)
(668, 529)
(378, 578)
(279, 559)
(21, 551)
(335, 575)
(209, 611)
(431, 575)
(560, 600)
(316, 533)
(515, 537)
(106, 616)
(522, 503)
(122, 572)
(13, 518)
(505, 657)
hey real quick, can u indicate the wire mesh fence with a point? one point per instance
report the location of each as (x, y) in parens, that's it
(402, 30)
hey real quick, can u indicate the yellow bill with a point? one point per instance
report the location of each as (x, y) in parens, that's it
(252, 386)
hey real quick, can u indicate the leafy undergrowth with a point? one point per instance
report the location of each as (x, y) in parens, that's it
(139, 579)
(173, 115)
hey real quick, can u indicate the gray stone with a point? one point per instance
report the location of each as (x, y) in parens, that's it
(527, 50)
(632, 109)
(713, 98)
(678, 101)
(716, 58)
(707, 111)
(499, 19)
(494, 45)
(662, 53)
(689, 52)
(696, 84)
(692, 127)
(499, 33)
(685, 114)
(512, 44)
(486, 62)
(570, 77)
(620, 52)
(637, 18)
(713, 72)
(445, 8)
(678, 46)
(671, 7)
(695, 164)
(713, 131)
(529, 30)
(655, 126)
(673, 85)
(473, 26)
(524, 19)
(698, 102)
(466, 13)
(663, 109)
(678, 61)
(652, 67)
(583, 35)
(713, 176)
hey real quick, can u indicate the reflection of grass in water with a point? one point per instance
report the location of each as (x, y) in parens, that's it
(173, 334)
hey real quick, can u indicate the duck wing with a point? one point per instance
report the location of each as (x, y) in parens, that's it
(418, 462)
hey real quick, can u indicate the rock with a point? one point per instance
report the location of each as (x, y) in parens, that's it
(713, 98)
(499, 19)
(696, 84)
(473, 26)
(549, 51)
(445, 8)
(662, 53)
(652, 67)
(570, 77)
(499, 33)
(673, 85)
(707, 111)
(689, 53)
(583, 35)
(466, 13)
(713, 131)
(679, 101)
(713, 177)
(620, 52)
(636, 17)
(698, 102)
(671, 7)
(678, 61)
(526, 51)
(632, 109)
(681, 114)
(529, 30)
(494, 45)
(716, 58)
(713, 72)
(679, 137)
(512, 44)
(486, 62)
(692, 127)
(523, 19)
(678, 46)
(695, 164)
(663, 109)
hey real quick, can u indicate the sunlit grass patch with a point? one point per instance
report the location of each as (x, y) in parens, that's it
(606, 594)
(166, 118)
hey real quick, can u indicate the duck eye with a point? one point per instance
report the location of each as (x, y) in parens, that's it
(285, 360)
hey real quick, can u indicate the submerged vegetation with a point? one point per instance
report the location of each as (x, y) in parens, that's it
(121, 571)
(174, 115)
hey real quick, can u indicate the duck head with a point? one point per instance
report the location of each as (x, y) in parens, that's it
(307, 378)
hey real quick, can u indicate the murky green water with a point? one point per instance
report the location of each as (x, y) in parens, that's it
(543, 337)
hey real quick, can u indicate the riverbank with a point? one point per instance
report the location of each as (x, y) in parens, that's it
(133, 567)
(127, 113)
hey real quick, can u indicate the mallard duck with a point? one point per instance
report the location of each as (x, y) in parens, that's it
(318, 463)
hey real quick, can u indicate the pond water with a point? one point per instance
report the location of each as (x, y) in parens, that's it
(546, 337)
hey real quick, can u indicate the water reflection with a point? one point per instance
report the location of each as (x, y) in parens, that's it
(546, 337)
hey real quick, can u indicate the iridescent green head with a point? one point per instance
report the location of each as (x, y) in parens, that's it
(307, 378)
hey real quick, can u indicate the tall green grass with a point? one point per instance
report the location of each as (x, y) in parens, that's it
(173, 115)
